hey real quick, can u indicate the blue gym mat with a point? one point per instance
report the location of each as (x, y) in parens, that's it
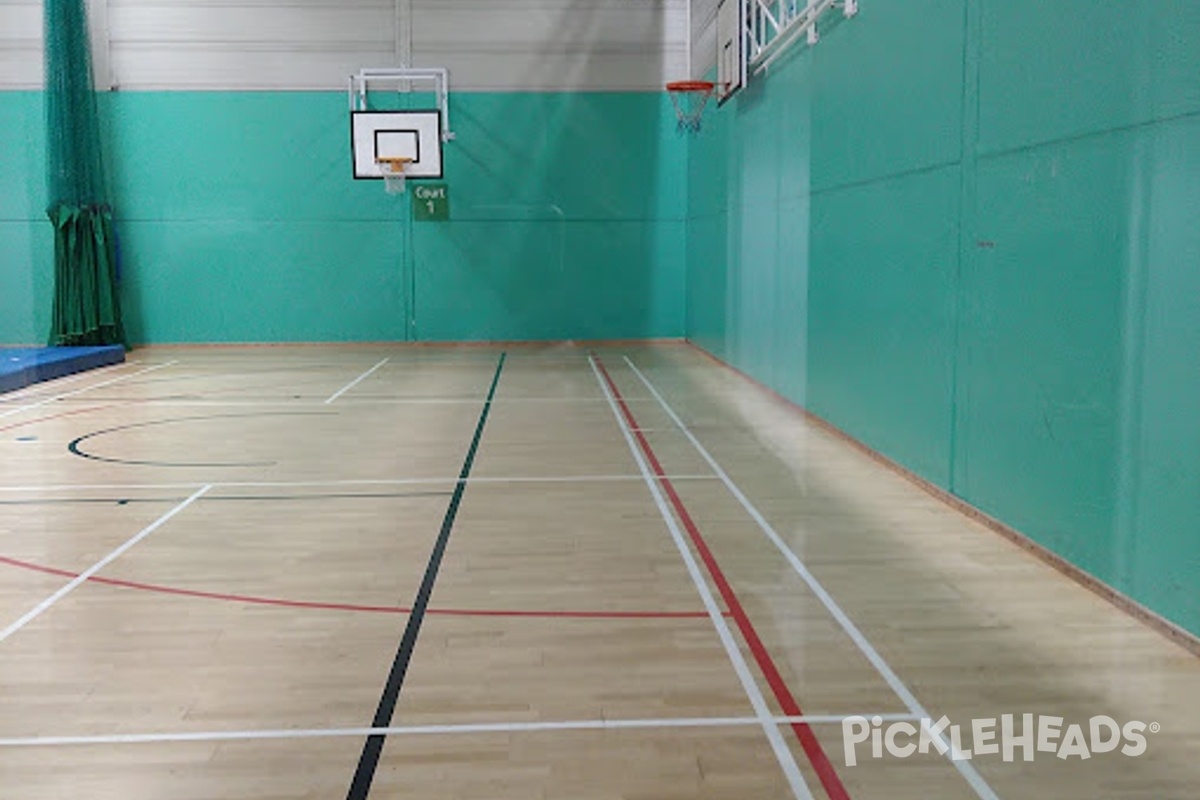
(22, 366)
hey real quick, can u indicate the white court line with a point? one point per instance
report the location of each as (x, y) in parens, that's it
(965, 768)
(783, 753)
(428, 730)
(589, 478)
(39, 389)
(517, 399)
(86, 389)
(80, 487)
(355, 382)
(86, 575)
(360, 400)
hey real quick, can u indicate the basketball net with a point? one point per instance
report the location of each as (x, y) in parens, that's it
(689, 99)
(393, 173)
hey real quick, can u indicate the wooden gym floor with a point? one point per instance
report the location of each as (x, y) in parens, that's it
(327, 572)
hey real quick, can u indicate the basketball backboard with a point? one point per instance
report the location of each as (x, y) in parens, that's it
(731, 48)
(415, 135)
(394, 145)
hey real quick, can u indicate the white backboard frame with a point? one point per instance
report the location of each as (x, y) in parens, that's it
(390, 134)
(403, 80)
(732, 68)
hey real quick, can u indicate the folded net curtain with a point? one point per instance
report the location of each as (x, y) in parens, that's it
(87, 308)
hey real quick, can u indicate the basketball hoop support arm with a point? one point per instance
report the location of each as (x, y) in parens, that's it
(400, 78)
(775, 24)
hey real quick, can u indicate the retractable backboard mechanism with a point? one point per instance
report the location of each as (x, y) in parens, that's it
(774, 25)
(753, 34)
(398, 145)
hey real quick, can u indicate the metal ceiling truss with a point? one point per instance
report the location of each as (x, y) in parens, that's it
(775, 25)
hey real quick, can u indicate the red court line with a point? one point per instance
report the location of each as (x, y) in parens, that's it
(283, 602)
(55, 416)
(787, 702)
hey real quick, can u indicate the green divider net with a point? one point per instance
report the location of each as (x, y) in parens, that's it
(86, 305)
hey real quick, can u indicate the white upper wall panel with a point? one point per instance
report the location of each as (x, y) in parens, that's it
(247, 44)
(316, 44)
(207, 67)
(21, 67)
(553, 44)
(543, 71)
(558, 24)
(20, 44)
(306, 25)
(20, 19)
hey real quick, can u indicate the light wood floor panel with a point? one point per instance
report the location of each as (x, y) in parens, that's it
(972, 625)
(564, 547)
(351, 545)
(674, 765)
(106, 660)
(921, 775)
(311, 769)
(44, 527)
(572, 439)
(49, 389)
(20, 591)
(472, 670)
(143, 444)
(569, 378)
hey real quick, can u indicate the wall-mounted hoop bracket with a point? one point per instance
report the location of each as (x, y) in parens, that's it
(772, 26)
(402, 79)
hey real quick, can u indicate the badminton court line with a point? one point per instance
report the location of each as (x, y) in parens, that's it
(65, 395)
(355, 382)
(783, 753)
(826, 772)
(368, 401)
(38, 389)
(61, 414)
(284, 602)
(965, 768)
(80, 487)
(434, 730)
(84, 576)
(368, 762)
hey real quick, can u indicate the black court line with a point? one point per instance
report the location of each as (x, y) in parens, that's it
(75, 449)
(368, 762)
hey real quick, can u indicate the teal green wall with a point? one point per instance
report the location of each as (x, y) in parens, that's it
(965, 232)
(26, 244)
(239, 221)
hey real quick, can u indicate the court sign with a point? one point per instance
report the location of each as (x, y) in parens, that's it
(431, 202)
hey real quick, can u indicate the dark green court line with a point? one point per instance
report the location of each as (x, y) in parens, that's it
(368, 761)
